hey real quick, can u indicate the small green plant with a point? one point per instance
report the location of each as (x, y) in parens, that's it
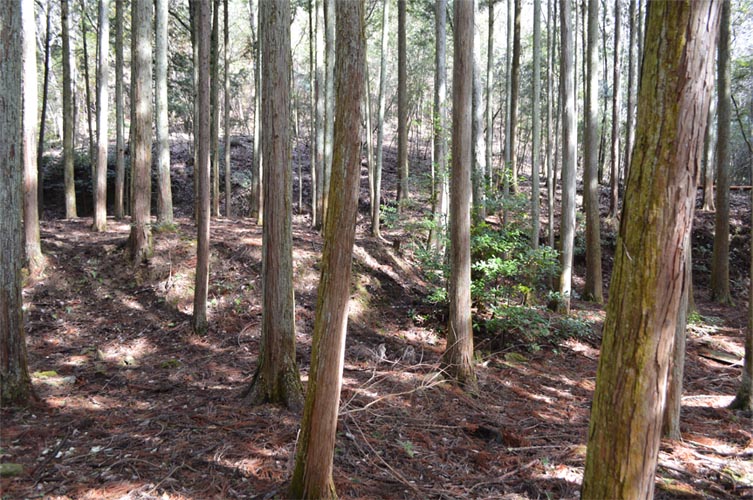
(407, 447)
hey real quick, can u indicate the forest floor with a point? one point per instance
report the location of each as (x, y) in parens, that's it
(131, 404)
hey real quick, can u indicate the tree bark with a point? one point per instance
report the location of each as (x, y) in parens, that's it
(614, 176)
(514, 95)
(103, 73)
(15, 384)
(569, 155)
(550, 34)
(215, 97)
(593, 290)
(165, 196)
(313, 144)
(536, 119)
(438, 231)
(320, 97)
(329, 99)
(458, 356)
(402, 108)
(629, 126)
(276, 379)
(68, 170)
(87, 87)
(376, 207)
(226, 118)
(203, 29)
(646, 288)
(312, 476)
(720, 258)
(43, 119)
(478, 175)
(119, 118)
(140, 238)
(709, 149)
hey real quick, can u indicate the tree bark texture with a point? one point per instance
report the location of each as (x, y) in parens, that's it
(458, 356)
(103, 73)
(649, 270)
(720, 259)
(437, 237)
(709, 150)
(402, 107)
(276, 379)
(312, 476)
(140, 239)
(15, 384)
(569, 154)
(119, 113)
(203, 25)
(68, 170)
(164, 193)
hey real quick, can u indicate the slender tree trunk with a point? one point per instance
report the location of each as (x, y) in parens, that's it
(140, 239)
(256, 192)
(119, 118)
(193, 5)
(376, 207)
(593, 290)
(720, 259)
(629, 127)
(614, 155)
(313, 144)
(369, 137)
(458, 356)
(43, 119)
(489, 95)
(329, 99)
(103, 73)
(276, 379)
(709, 150)
(479, 148)
(438, 232)
(514, 93)
(402, 108)
(15, 384)
(87, 86)
(569, 154)
(550, 34)
(203, 29)
(33, 250)
(226, 120)
(320, 109)
(215, 97)
(508, 101)
(536, 118)
(68, 170)
(639, 329)
(312, 476)
(165, 196)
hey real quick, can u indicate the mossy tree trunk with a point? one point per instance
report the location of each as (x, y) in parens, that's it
(649, 271)
(312, 477)
(15, 384)
(458, 356)
(276, 379)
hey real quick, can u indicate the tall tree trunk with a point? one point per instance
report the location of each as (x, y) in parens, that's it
(489, 118)
(193, 8)
(320, 114)
(329, 99)
(103, 73)
(165, 196)
(312, 476)
(437, 237)
(709, 150)
(614, 154)
(376, 207)
(593, 290)
(477, 126)
(33, 249)
(514, 93)
(140, 239)
(370, 160)
(276, 379)
(569, 154)
(15, 384)
(87, 87)
(720, 259)
(256, 191)
(536, 118)
(458, 356)
(226, 119)
(550, 35)
(631, 90)
(508, 101)
(68, 170)
(315, 123)
(646, 288)
(203, 29)
(402, 108)
(119, 118)
(43, 119)
(215, 97)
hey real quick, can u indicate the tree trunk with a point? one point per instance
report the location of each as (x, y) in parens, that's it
(320, 97)
(43, 119)
(329, 99)
(103, 73)
(315, 123)
(508, 101)
(569, 155)
(479, 148)
(614, 153)
(312, 476)
(203, 29)
(15, 384)
(629, 127)
(550, 35)
(226, 119)
(402, 108)
(215, 97)
(649, 268)
(276, 379)
(87, 87)
(720, 259)
(536, 119)
(33, 249)
(593, 290)
(165, 196)
(193, 6)
(140, 239)
(458, 356)
(68, 170)
(256, 192)
(376, 207)
(119, 118)
(438, 231)
(709, 149)
(514, 94)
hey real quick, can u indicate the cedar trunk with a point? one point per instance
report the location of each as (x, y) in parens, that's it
(119, 118)
(402, 108)
(376, 205)
(68, 171)
(646, 287)
(439, 229)
(164, 193)
(103, 72)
